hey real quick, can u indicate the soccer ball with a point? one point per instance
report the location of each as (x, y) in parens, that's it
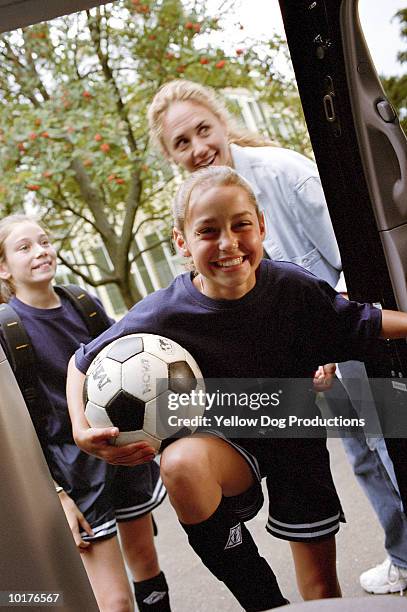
(146, 385)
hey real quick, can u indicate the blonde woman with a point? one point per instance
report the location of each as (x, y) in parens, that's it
(192, 127)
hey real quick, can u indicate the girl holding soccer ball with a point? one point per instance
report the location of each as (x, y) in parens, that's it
(242, 316)
(98, 499)
(192, 127)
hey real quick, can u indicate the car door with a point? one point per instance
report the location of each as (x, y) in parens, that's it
(40, 565)
(39, 558)
(361, 152)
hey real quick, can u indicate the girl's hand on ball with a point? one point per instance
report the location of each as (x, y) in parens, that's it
(98, 442)
(132, 454)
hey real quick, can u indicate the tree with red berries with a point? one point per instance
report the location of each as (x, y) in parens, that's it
(73, 134)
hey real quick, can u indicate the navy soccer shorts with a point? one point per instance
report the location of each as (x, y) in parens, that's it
(128, 493)
(303, 503)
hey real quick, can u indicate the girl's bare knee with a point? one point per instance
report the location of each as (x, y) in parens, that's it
(116, 602)
(182, 465)
(315, 565)
(319, 591)
(144, 558)
(320, 587)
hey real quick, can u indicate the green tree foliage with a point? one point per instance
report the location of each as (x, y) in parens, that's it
(73, 98)
(402, 17)
(395, 86)
(396, 90)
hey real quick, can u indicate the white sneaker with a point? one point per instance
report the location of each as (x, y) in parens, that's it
(384, 578)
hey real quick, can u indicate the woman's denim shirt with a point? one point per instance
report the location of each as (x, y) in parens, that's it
(289, 192)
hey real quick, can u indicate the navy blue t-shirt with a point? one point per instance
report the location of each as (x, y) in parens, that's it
(55, 334)
(286, 326)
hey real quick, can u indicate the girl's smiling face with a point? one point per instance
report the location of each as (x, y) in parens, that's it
(30, 258)
(223, 234)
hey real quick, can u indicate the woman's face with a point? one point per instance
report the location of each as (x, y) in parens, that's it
(223, 234)
(30, 258)
(194, 137)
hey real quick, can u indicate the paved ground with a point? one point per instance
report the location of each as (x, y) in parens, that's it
(360, 546)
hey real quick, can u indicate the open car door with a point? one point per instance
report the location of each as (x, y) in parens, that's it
(361, 152)
(40, 565)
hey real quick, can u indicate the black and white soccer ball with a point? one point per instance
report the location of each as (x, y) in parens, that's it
(132, 383)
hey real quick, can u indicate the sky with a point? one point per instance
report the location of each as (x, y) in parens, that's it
(261, 17)
(382, 34)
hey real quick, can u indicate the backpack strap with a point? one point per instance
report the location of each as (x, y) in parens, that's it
(20, 352)
(95, 318)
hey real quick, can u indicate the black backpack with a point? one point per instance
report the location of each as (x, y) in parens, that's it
(19, 348)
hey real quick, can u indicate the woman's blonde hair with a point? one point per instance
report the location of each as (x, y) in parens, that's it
(7, 289)
(181, 90)
(206, 178)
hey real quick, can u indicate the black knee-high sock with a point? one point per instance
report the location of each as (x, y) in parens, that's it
(152, 594)
(226, 547)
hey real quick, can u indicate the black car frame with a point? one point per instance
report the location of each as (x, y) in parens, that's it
(361, 152)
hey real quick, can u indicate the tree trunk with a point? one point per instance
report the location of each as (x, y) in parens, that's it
(129, 292)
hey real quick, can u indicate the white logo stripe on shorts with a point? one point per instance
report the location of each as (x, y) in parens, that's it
(304, 525)
(155, 500)
(308, 530)
(302, 534)
(101, 530)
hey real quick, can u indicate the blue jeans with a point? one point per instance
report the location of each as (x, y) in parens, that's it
(375, 474)
(374, 469)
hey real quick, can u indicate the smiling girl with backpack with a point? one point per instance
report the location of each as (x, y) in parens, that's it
(98, 499)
